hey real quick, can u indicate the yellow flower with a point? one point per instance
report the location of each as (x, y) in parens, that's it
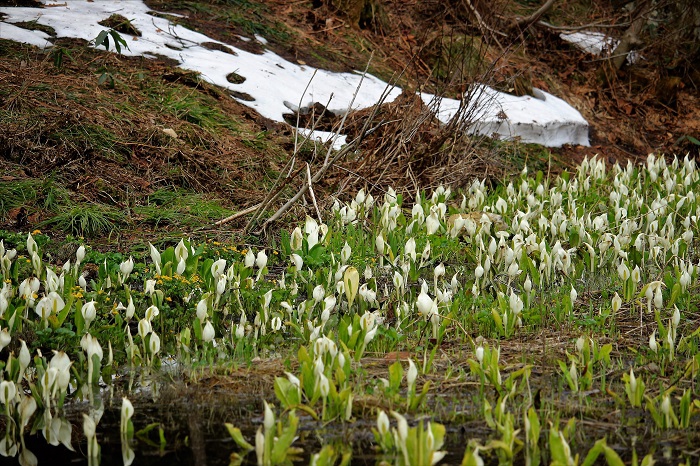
(168, 299)
(36, 232)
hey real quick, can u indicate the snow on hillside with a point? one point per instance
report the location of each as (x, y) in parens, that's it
(269, 80)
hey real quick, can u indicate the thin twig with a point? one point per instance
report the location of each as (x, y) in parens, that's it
(347, 112)
(296, 132)
(579, 28)
(352, 145)
(305, 186)
(311, 191)
(263, 205)
(271, 196)
(485, 28)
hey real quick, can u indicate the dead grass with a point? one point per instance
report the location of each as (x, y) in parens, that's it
(108, 145)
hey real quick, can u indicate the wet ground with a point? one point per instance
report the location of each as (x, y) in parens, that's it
(192, 416)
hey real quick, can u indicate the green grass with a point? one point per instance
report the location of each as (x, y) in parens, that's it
(45, 194)
(180, 210)
(253, 18)
(194, 108)
(88, 220)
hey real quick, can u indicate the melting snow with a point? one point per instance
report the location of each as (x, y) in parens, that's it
(338, 140)
(591, 42)
(12, 32)
(545, 119)
(595, 43)
(271, 80)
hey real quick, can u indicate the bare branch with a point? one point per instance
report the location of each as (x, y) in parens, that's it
(238, 214)
(582, 27)
(311, 191)
(486, 30)
(526, 22)
(630, 39)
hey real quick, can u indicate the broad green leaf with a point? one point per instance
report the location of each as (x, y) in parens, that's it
(285, 440)
(237, 437)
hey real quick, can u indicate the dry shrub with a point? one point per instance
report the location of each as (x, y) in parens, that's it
(410, 149)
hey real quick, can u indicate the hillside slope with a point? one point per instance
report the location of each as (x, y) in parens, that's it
(100, 144)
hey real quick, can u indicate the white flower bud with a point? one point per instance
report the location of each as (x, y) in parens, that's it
(480, 354)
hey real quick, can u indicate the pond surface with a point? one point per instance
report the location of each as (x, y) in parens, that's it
(193, 414)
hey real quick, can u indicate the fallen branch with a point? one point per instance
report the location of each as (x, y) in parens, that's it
(526, 22)
(630, 39)
(272, 195)
(305, 187)
(276, 189)
(238, 215)
(582, 27)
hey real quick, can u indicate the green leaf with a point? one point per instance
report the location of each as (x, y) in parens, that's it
(102, 39)
(395, 376)
(95, 369)
(287, 393)
(61, 317)
(351, 278)
(144, 434)
(237, 437)
(557, 447)
(612, 457)
(594, 453)
(78, 317)
(284, 441)
(534, 433)
(675, 294)
(604, 354)
(419, 399)
(499, 322)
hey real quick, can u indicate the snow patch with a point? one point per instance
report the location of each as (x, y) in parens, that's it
(18, 34)
(338, 140)
(596, 43)
(591, 42)
(544, 119)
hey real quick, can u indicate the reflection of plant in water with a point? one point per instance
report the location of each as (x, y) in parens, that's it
(414, 399)
(126, 431)
(419, 445)
(273, 440)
